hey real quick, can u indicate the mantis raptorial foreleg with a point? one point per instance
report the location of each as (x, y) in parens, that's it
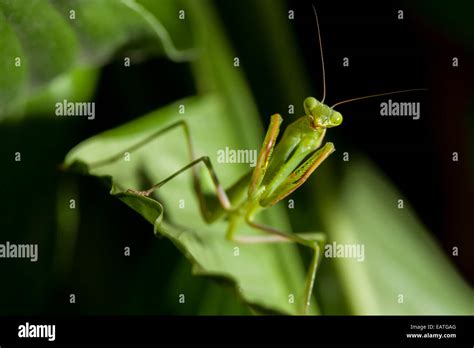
(209, 209)
(265, 154)
(300, 175)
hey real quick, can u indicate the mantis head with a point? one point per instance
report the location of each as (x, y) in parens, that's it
(322, 115)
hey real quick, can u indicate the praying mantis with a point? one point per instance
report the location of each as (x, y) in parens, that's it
(282, 167)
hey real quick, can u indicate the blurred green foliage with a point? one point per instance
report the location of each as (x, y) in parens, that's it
(76, 33)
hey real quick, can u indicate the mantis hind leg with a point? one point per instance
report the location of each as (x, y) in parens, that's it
(212, 207)
(208, 214)
(313, 240)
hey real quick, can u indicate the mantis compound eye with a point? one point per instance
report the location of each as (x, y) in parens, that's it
(309, 104)
(336, 119)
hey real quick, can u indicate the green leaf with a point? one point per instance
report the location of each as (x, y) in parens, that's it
(167, 12)
(104, 26)
(266, 274)
(48, 42)
(401, 258)
(12, 79)
(51, 38)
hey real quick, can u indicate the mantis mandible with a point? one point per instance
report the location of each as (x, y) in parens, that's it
(282, 166)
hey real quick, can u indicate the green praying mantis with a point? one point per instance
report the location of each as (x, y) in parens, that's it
(282, 167)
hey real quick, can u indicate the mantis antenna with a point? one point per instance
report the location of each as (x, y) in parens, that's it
(324, 74)
(378, 95)
(322, 58)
